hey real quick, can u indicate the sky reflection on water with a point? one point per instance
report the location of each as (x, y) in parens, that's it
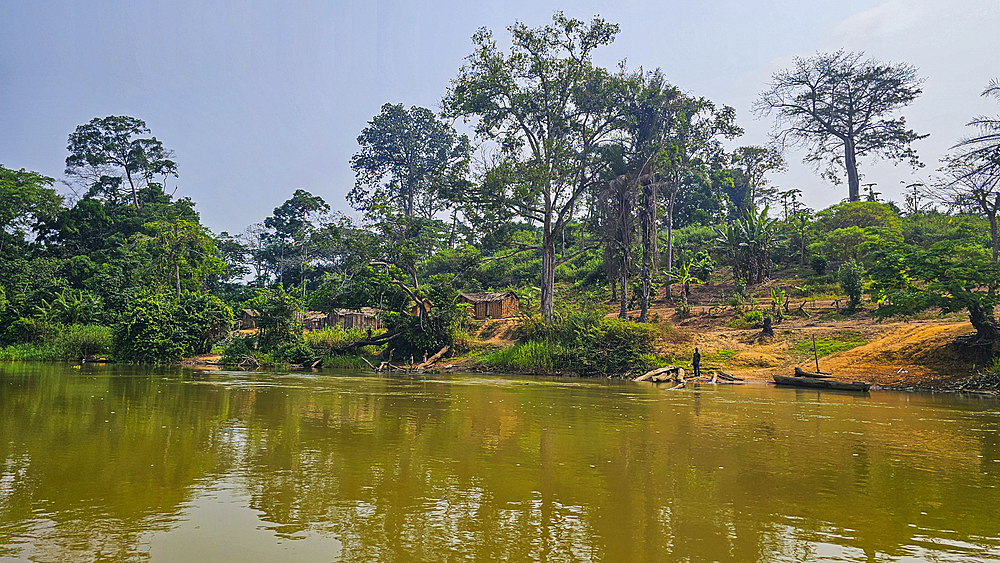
(132, 464)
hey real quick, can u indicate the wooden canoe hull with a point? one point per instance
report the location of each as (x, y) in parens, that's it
(811, 383)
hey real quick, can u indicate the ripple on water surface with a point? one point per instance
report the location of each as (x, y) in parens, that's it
(181, 465)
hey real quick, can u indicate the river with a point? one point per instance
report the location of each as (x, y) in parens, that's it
(114, 463)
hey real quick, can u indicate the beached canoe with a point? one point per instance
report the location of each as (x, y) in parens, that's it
(812, 383)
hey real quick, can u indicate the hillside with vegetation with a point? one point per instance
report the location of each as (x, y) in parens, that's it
(612, 202)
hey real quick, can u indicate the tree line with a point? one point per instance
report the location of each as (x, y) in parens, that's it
(573, 174)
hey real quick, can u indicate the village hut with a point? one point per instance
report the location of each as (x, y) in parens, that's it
(491, 304)
(248, 319)
(365, 318)
(315, 320)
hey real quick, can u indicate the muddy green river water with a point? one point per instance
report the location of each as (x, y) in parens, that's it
(105, 463)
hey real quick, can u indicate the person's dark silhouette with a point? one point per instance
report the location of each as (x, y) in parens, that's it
(696, 363)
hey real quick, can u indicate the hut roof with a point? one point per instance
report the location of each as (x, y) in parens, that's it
(488, 296)
(250, 313)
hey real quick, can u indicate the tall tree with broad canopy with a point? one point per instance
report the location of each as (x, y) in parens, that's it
(755, 163)
(25, 198)
(972, 175)
(646, 124)
(106, 152)
(410, 158)
(182, 250)
(840, 106)
(548, 108)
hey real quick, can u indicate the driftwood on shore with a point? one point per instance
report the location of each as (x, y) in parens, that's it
(387, 366)
(667, 373)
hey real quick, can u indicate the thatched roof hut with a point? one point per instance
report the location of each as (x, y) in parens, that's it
(492, 304)
(248, 319)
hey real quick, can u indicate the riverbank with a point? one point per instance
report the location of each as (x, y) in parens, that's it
(918, 354)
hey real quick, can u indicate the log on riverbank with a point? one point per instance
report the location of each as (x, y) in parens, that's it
(667, 373)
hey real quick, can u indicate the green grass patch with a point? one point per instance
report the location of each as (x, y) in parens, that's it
(536, 356)
(844, 340)
(721, 356)
(31, 352)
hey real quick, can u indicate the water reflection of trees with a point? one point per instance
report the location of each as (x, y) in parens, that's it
(410, 470)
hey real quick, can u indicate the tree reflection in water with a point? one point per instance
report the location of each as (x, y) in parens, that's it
(123, 464)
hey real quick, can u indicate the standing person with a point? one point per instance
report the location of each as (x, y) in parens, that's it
(696, 363)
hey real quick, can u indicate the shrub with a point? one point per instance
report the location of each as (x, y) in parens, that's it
(31, 352)
(81, 341)
(582, 342)
(239, 348)
(849, 276)
(276, 320)
(818, 263)
(296, 352)
(611, 347)
(702, 267)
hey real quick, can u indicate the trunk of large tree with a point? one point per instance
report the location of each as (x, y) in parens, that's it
(985, 323)
(623, 295)
(548, 273)
(177, 275)
(994, 235)
(853, 180)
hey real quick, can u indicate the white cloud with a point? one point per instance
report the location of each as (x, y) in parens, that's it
(886, 19)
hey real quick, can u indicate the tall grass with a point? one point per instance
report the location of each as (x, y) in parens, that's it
(70, 343)
(535, 356)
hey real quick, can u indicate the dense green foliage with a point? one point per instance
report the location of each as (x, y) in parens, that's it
(603, 188)
(156, 328)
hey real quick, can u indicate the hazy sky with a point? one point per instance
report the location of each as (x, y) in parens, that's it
(258, 99)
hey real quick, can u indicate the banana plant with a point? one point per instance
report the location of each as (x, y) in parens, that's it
(747, 242)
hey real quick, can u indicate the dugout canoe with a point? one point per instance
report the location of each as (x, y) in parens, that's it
(811, 383)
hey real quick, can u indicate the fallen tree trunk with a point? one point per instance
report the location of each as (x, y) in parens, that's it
(430, 361)
(667, 373)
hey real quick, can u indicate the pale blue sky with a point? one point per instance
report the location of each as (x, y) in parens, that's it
(258, 99)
